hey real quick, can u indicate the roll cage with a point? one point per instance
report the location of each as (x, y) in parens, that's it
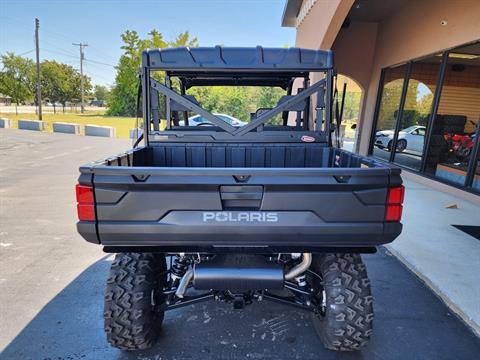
(233, 66)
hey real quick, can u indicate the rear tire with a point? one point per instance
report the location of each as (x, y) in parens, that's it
(133, 294)
(401, 145)
(389, 146)
(346, 324)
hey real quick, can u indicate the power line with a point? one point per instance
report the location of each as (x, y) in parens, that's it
(56, 35)
(26, 52)
(99, 62)
(54, 47)
(101, 68)
(99, 51)
(58, 48)
(59, 53)
(97, 75)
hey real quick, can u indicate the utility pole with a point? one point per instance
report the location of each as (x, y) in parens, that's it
(81, 46)
(39, 88)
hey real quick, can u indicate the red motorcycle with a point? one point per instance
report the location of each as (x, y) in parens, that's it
(460, 146)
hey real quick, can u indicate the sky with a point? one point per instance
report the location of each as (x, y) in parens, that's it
(99, 23)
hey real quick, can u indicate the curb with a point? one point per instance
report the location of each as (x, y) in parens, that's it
(466, 319)
(66, 128)
(97, 130)
(35, 125)
(5, 123)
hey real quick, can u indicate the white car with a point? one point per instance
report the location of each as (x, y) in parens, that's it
(198, 120)
(411, 138)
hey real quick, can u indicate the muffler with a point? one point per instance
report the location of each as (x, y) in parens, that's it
(239, 272)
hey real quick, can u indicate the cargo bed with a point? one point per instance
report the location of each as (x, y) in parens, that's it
(261, 197)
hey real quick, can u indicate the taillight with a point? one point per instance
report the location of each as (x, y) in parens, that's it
(393, 209)
(85, 203)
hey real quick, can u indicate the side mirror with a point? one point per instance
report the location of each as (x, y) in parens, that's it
(353, 127)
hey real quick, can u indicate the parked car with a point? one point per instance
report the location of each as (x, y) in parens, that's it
(198, 120)
(57, 104)
(99, 103)
(241, 214)
(411, 139)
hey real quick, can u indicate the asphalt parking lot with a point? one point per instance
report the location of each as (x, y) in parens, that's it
(52, 281)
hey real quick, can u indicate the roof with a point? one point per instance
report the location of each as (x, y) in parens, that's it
(290, 12)
(252, 60)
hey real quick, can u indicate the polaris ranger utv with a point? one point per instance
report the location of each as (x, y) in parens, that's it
(259, 212)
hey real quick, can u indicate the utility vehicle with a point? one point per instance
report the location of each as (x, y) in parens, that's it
(267, 211)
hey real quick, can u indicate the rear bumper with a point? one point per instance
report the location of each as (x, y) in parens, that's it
(290, 237)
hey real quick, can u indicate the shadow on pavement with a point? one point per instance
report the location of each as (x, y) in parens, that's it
(410, 323)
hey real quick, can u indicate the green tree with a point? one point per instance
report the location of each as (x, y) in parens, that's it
(54, 82)
(73, 88)
(123, 96)
(268, 97)
(235, 102)
(61, 83)
(17, 78)
(390, 101)
(184, 39)
(101, 92)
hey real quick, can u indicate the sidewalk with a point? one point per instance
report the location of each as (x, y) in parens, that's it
(445, 258)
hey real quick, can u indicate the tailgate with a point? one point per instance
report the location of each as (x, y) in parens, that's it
(243, 207)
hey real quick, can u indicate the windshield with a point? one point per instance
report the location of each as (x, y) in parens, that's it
(410, 128)
(271, 101)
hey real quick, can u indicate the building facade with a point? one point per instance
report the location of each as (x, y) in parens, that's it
(417, 63)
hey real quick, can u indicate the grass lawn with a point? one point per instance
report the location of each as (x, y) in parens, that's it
(122, 124)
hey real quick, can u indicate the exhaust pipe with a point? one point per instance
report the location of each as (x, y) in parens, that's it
(182, 287)
(211, 276)
(299, 269)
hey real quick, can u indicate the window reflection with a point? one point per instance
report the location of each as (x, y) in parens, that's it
(458, 113)
(476, 176)
(416, 112)
(387, 115)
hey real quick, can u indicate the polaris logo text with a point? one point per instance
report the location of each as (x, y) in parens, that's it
(227, 216)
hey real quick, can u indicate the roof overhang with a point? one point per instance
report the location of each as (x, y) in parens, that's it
(290, 12)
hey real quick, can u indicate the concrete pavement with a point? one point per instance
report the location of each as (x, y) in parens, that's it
(52, 281)
(447, 259)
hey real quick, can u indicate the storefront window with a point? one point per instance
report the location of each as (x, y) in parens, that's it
(416, 112)
(458, 112)
(388, 111)
(351, 110)
(451, 91)
(476, 175)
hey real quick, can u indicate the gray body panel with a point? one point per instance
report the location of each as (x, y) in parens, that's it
(258, 197)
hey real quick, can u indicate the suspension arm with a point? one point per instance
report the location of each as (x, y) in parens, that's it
(189, 300)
